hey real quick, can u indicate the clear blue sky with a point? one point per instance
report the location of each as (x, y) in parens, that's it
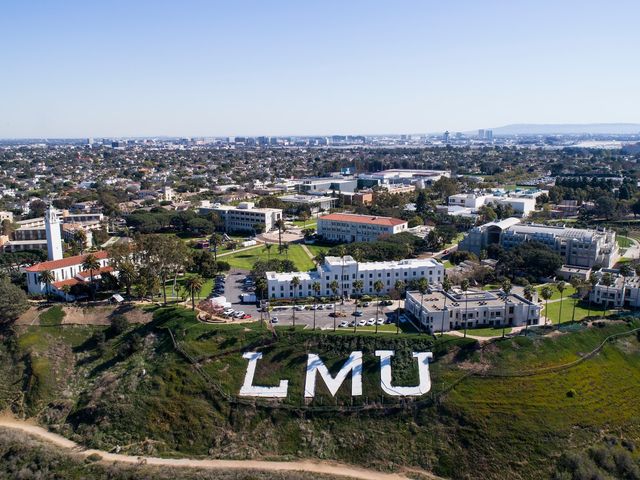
(128, 68)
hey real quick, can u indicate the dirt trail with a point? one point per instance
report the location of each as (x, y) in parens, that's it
(327, 468)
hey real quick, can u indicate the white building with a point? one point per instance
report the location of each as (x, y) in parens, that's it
(54, 234)
(444, 311)
(577, 247)
(6, 216)
(66, 271)
(615, 291)
(346, 227)
(523, 204)
(345, 270)
(245, 217)
(314, 202)
(406, 176)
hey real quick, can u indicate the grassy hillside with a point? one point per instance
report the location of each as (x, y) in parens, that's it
(487, 416)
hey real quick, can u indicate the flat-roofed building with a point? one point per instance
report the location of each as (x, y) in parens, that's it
(246, 217)
(438, 310)
(577, 247)
(315, 203)
(345, 270)
(614, 290)
(347, 227)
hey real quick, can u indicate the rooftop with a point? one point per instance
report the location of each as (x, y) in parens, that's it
(435, 300)
(367, 219)
(65, 262)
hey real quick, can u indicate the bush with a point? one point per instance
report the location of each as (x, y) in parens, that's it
(119, 324)
(571, 393)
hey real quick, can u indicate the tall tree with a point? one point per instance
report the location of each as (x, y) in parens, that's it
(506, 289)
(316, 287)
(464, 285)
(92, 264)
(295, 283)
(334, 286)
(13, 301)
(194, 284)
(529, 292)
(378, 286)
(561, 286)
(46, 276)
(546, 293)
(358, 285)
(214, 242)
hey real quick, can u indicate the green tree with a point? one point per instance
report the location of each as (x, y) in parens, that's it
(506, 289)
(529, 292)
(13, 301)
(358, 285)
(446, 287)
(127, 276)
(295, 283)
(316, 287)
(214, 243)
(46, 277)
(334, 286)
(378, 286)
(192, 285)
(546, 293)
(464, 285)
(267, 248)
(92, 264)
(561, 286)
(400, 286)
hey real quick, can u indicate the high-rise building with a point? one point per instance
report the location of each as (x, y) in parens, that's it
(481, 134)
(488, 134)
(445, 137)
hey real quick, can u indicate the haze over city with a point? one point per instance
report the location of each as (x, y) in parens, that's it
(196, 68)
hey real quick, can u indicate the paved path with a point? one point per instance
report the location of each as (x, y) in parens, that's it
(307, 251)
(319, 467)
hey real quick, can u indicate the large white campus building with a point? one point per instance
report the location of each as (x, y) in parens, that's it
(438, 310)
(579, 247)
(345, 270)
(347, 227)
(618, 292)
(245, 217)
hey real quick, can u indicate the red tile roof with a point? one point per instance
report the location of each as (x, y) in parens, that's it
(64, 262)
(368, 219)
(87, 273)
(69, 281)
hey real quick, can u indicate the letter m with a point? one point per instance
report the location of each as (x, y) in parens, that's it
(315, 365)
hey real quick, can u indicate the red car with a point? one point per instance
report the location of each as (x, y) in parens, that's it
(246, 316)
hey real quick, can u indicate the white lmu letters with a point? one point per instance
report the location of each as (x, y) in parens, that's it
(353, 365)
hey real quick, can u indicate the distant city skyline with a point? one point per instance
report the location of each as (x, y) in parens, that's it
(283, 68)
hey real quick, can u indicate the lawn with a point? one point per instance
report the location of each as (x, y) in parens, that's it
(207, 287)
(624, 242)
(52, 316)
(556, 294)
(582, 310)
(317, 249)
(488, 332)
(448, 264)
(247, 258)
(311, 223)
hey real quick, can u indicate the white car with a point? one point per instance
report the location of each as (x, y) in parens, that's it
(299, 308)
(274, 320)
(239, 314)
(362, 323)
(228, 311)
(343, 324)
(380, 321)
(371, 321)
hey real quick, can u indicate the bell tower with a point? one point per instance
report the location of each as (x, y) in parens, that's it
(54, 234)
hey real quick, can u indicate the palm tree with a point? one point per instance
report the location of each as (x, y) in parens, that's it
(334, 286)
(192, 285)
(80, 240)
(268, 247)
(464, 285)
(378, 286)
(127, 276)
(295, 283)
(400, 286)
(316, 287)
(423, 286)
(446, 286)
(215, 241)
(279, 224)
(607, 281)
(358, 285)
(91, 263)
(47, 277)
(529, 292)
(341, 253)
(66, 289)
(593, 281)
(561, 286)
(285, 248)
(506, 289)
(546, 293)
(577, 284)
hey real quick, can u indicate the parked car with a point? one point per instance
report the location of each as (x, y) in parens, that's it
(366, 304)
(343, 325)
(274, 320)
(246, 316)
(380, 321)
(321, 307)
(239, 314)
(362, 322)
(299, 308)
(357, 313)
(386, 303)
(371, 321)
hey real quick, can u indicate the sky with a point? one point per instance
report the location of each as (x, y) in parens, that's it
(211, 68)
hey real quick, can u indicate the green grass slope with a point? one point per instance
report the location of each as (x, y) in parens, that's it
(487, 416)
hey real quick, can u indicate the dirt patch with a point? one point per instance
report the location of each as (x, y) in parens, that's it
(102, 315)
(30, 317)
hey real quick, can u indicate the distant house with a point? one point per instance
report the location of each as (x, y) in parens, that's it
(345, 227)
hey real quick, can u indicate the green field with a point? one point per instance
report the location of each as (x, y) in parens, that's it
(487, 414)
(318, 249)
(247, 258)
(556, 294)
(207, 287)
(52, 316)
(624, 242)
(488, 332)
(582, 310)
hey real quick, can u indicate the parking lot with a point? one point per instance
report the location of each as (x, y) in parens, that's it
(234, 287)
